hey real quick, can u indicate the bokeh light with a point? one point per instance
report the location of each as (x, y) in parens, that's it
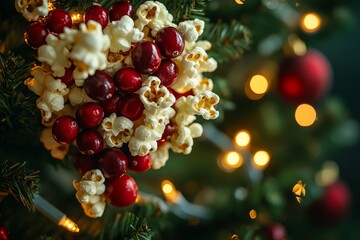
(305, 115)
(253, 214)
(230, 161)
(242, 138)
(261, 159)
(310, 22)
(259, 84)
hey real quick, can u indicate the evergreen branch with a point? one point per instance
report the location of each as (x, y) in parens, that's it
(74, 5)
(228, 40)
(20, 182)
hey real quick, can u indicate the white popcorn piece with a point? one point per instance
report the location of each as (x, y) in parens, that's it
(116, 130)
(114, 62)
(78, 96)
(196, 130)
(55, 54)
(56, 149)
(32, 10)
(144, 133)
(122, 33)
(205, 84)
(37, 83)
(139, 147)
(191, 29)
(90, 193)
(160, 118)
(204, 104)
(67, 110)
(50, 102)
(160, 156)
(88, 51)
(154, 15)
(182, 140)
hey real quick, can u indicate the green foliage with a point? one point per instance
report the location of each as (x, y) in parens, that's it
(74, 5)
(20, 182)
(228, 40)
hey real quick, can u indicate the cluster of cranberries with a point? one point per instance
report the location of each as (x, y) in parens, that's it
(115, 94)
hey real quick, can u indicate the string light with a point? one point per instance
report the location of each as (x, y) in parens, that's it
(328, 174)
(297, 46)
(242, 138)
(170, 192)
(231, 161)
(68, 224)
(261, 159)
(253, 214)
(310, 22)
(259, 84)
(305, 115)
(76, 17)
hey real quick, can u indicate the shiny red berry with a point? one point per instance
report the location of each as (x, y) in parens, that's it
(121, 191)
(113, 162)
(89, 142)
(65, 129)
(112, 104)
(89, 115)
(98, 14)
(99, 86)
(179, 95)
(146, 57)
(35, 35)
(128, 80)
(140, 163)
(68, 78)
(170, 42)
(58, 19)
(84, 163)
(131, 107)
(167, 72)
(168, 132)
(120, 9)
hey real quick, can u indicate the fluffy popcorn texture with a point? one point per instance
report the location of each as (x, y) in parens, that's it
(160, 156)
(55, 54)
(204, 104)
(182, 139)
(191, 29)
(122, 33)
(56, 149)
(205, 84)
(116, 130)
(78, 96)
(32, 10)
(90, 193)
(88, 49)
(154, 15)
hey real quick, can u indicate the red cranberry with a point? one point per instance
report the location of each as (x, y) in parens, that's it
(275, 231)
(35, 35)
(131, 107)
(98, 14)
(112, 104)
(113, 162)
(58, 19)
(68, 78)
(167, 72)
(128, 79)
(65, 129)
(146, 57)
(84, 163)
(89, 142)
(120, 9)
(140, 163)
(121, 191)
(99, 86)
(170, 42)
(166, 136)
(89, 115)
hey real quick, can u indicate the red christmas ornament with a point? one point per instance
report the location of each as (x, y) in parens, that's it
(131, 107)
(89, 115)
(58, 19)
(120, 9)
(170, 42)
(275, 231)
(65, 129)
(333, 205)
(4, 233)
(68, 78)
(121, 191)
(128, 80)
(112, 104)
(89, 142)
(167, 72)
(98, 14)
(99, 86)
(84, 163)
(304, 78)
(146, 57)
(113, 162)
(35, 35)
(140, 163)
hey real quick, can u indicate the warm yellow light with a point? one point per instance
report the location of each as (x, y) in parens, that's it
(170, 192)
(328, 174)
(240, 1)
(261, 159)
(242, 138)
(76, 17)
(252, 214)
(259, 84)
(299, 190)
(305, 115)
(233, 159)
(310, 22)
(68, 225)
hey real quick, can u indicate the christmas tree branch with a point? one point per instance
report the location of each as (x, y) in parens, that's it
(20, 182)
(228, 40)
(74, 5)
(186, 9)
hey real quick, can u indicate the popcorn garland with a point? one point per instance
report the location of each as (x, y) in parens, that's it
(126, 108)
